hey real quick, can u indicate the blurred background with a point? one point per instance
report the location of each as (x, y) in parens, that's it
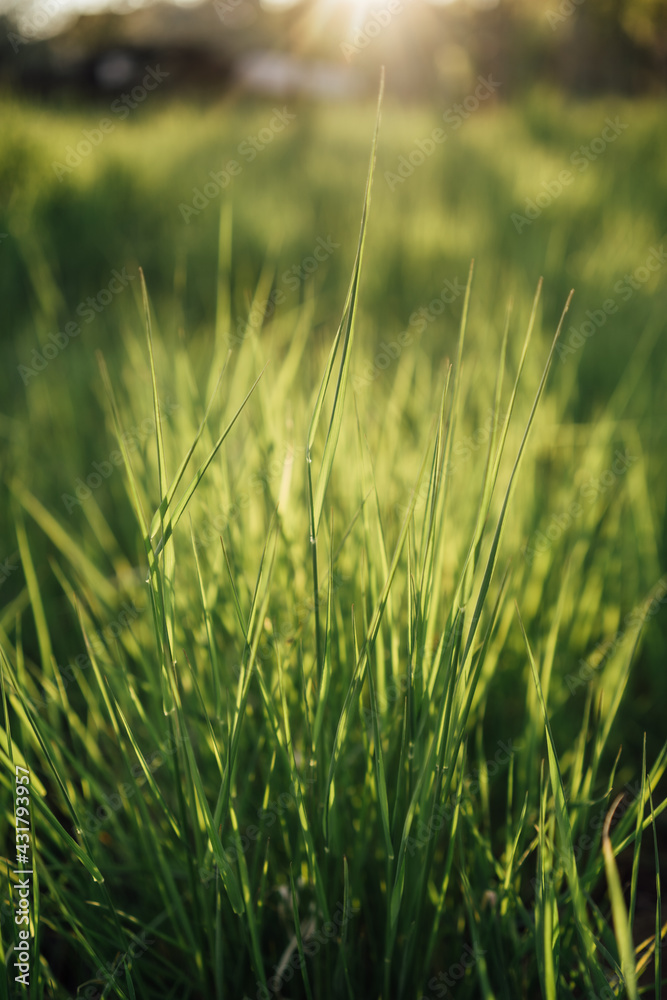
(333, 48)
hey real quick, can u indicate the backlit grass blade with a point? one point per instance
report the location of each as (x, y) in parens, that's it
(564, 828)
(437, 495)
(43, 637)
(347, 909)
(229, 879)
(170, 493)
(524, 351)
(6, 734)
(148, 775)
(210, 638)
(299, 939)
(638, 840)
(659, 930)
(235, 594)
(161, 462)
(546, 909)
(381, 780)
(622, 929)
(501, 520)
(348, 327)
(249, 666)
(163, 590)
(481, 968)
(205, 710)
(445, 880)
(311, 853)
(135, 493)
(65, 542)
(248, 902)
(323, 692)
(84, 856)
(493, 553)
(430, 595)
(616, 677)
(223, 299)
(360, 667)
(171, 522)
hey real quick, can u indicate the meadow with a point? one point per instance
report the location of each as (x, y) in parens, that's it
(333, 569)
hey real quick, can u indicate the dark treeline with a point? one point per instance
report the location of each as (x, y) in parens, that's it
(584, 47)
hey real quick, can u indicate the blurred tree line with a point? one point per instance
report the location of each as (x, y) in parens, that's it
(592, 45)
(582, 46)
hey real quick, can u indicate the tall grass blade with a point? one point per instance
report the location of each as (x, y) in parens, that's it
(622, 929)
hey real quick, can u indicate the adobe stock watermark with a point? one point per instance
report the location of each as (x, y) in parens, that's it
(98, 640)
(224, 7)
(287, 630)
(292, 278)
(625, 288)
(376, 21)
(91, 823)
(581, 158)
(462, 451)
(444, 981)
(87, 310)
(31, 24)
(267, 816)
(455, 116)
(9, 566)
(585, 842)
(443, 812)
(593, 663)
(313, 941)
(107, 974)
(83, 489)
(258, 483)
(397, 687)
(248, 150)
(417, 323)
(566, 9)
(93, 137)
(541, 541)
(104, 978)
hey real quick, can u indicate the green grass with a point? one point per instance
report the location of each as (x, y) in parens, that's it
(345, 650)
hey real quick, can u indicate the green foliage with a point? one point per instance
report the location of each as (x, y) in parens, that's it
(366, 746)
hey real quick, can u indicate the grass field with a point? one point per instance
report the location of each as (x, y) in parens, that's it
(368, 746)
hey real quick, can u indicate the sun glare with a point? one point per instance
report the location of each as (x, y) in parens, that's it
(348, 20)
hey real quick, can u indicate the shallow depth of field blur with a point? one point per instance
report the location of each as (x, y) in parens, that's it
(343, 708)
